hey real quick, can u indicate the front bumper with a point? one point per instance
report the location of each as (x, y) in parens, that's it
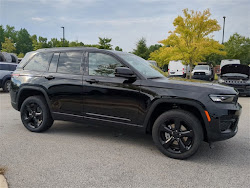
(224, 124)
(201, 77)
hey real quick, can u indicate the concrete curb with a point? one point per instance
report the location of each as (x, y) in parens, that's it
(3, 182)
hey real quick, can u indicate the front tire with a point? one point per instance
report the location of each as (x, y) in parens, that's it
(177, 134)
(35, 114)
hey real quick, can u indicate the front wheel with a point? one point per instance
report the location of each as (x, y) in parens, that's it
(177, 134)
(35, 114)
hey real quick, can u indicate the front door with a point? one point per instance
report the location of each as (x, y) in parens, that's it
(106, 97)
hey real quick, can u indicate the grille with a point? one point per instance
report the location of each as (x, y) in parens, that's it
(235, 81)
(199, 73)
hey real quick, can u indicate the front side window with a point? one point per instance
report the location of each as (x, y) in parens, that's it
(142, 66)
(39, 62)
(102, 65)
(70, 62)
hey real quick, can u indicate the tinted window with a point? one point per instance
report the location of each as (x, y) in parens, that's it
(12, 67)
(141, 65)
(102, 64)
(70, 62)
(26, 58)
(39, 63)
(54, 61)
(4, 67)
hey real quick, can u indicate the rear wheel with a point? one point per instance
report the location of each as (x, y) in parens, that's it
(35, 114)
(6, 86)
(177, 134)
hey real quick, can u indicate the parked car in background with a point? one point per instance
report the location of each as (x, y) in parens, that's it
(6, 70)
(237, 76)
(177, 68)
(203, 72)
(228, 61)
(95, 86)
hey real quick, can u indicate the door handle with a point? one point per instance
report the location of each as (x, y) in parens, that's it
(91, 81)
(50, 77)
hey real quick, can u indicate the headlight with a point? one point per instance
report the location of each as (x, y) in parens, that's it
(207, 73)
(221, 80)
(222, 98)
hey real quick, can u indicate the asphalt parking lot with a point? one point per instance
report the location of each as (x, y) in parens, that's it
(76, 155)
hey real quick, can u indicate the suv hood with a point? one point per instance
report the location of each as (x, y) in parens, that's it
(235, 68)
(199, 87)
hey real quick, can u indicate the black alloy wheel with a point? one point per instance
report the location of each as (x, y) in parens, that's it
(35, 114)
(177, 134)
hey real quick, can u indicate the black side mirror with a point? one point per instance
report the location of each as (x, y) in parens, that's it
(124, 72)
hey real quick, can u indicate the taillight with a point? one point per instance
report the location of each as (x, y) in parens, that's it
(183, 69)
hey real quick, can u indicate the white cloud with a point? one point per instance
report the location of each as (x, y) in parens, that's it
(38, 19)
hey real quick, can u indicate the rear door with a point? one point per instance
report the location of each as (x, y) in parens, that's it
(63, 82)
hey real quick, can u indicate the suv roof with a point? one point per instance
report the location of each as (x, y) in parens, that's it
(64, 49)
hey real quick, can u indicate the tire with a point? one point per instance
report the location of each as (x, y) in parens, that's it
(35, 114)
(6, 86)
(178, 142)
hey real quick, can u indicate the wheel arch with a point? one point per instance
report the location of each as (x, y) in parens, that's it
(162, 105)
(7, 77)
(27, 91)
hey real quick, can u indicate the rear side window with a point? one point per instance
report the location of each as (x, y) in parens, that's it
(26, 58)
(70, 62)
(39, 62)
(4, 67)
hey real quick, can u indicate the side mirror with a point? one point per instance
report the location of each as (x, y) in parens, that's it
(124, 72)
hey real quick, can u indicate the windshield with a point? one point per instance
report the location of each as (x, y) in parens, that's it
(141, 65)
(201, 67)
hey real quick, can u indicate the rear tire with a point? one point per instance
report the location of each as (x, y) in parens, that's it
(35, 114)
(177, 134)
(6, 86)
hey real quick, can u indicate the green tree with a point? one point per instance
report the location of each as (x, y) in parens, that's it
(117, 48)
(10, 33)
(75, 44)
(8, 46)
(21, 55)
(104, 43)
(24, 42)
(238, 47)
(141, 49)
(1, 36)
(191, 40)
(153, 48)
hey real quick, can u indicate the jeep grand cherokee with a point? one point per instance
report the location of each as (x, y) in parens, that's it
(94, 86)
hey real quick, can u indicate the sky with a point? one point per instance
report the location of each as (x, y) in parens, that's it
(125, 21)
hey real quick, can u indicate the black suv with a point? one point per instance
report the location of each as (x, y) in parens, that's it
(109, 87)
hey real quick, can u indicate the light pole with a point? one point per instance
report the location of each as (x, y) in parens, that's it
(224, 17)
(63, 34)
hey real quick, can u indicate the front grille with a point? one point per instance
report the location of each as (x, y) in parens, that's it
(235, 81)
(199, 73)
